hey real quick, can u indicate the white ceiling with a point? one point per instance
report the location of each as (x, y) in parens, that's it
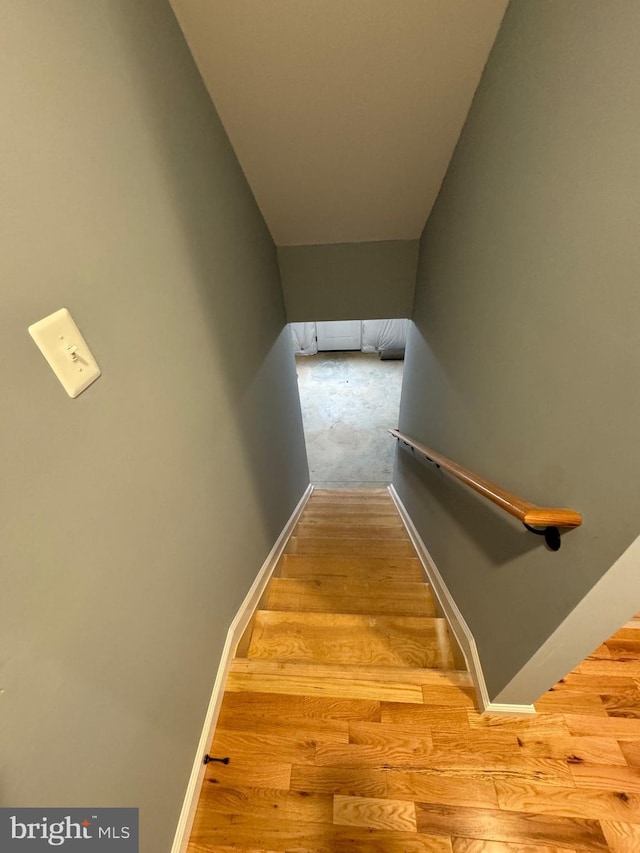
(343, 113)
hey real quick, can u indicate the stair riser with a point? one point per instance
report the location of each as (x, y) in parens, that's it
(359, 494)
(350, 596)
(350, 531)
(353, 516)
(361, 568)
(350, 547)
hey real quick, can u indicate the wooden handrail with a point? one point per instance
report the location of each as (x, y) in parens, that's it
(528, 513)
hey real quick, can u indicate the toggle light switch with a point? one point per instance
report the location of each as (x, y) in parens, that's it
(60, 342)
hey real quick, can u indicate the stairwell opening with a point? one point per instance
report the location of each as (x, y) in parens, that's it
(349, 379)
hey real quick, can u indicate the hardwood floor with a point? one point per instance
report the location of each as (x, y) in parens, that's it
(348, 729)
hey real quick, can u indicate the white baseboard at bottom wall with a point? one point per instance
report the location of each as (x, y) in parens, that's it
(236, 630)
(455, 619)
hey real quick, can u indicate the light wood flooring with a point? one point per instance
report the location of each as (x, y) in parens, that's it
(349, 725)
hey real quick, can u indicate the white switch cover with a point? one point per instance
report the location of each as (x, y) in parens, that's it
(61, 343)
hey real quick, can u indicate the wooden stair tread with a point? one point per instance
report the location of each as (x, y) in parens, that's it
(349, 595)
(353, 672)
(347, 493)
(405, 685)
(356, 566)
(377, 505)
(351, 502)
(345, 547)
(350, 494)
(355, 517)
(414, 641)
(346, 530)
(368, 513)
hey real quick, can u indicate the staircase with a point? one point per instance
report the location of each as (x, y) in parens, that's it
(349, 601)
(351, 592)
(350, 725)
(347, 623)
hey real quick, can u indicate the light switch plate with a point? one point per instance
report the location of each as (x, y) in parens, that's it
(60, 342)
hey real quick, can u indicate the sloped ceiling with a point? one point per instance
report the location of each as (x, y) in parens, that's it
(343, 113)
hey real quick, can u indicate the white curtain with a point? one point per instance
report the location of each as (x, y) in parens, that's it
(304, 338)
(380, 335)
(377, 336)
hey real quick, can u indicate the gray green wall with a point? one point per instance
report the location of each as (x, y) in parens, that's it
(349, 281)
(524, 357)
(134, 518)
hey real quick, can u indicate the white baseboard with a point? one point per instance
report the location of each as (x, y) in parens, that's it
(236, 630)
(455, 619)
(503, 708)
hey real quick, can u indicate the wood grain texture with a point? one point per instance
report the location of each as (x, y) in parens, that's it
(374, 813)
(604, 777)
(539, 725)
(441, 717)
(355, 672)
(390, 734)
(446, 788)
(366, 567)
(568, 802)
(319, 727)
(628, 668)
(345, 595)
(364, 747)
(523, 510)
(571, 703)
(376, 640)
(264, 802)
(621, 728)
(337, 495)
(576, 681)
(280, 709)
(474, 845)
(350, 530)
(271, 746)
(631, 752)
(220, 831)
(399, 753)
(354, 513)
(622, 703)
(455, 696)
(260, 774)
(514, 827)
(621, 837)
(572, 750)
(311, 685)
(367, 547)
(339, 780)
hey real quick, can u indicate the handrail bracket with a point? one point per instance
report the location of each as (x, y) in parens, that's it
(551, 535)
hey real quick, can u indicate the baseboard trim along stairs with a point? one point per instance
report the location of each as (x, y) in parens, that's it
(455, 618)
(234, 635)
